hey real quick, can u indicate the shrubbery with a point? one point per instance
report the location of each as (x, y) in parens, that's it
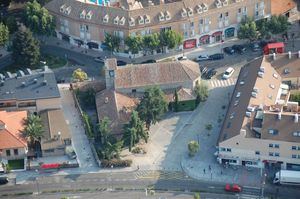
(115, 163)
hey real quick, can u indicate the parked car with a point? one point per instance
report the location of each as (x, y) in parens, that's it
(233, 188)
(3, 180)
(149, 61)
(255, 47)
(121, 63)
(202, 58)
(216, 56)
(182, 58)
(227, 74)
(203, 69)
(210, 73)
(241, 49)
(229, 50)
(99, 59)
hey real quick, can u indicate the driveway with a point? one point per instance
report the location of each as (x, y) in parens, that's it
(79, 139)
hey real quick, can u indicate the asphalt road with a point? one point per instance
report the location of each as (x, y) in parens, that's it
(130, 181)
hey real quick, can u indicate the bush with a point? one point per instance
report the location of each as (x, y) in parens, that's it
(193, 147)
(197, 196)
(88, 125)
(295, 97)
(116, 163)
(138, 150)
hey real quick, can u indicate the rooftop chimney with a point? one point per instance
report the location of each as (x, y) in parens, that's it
(296, 118)
(274, 56)
(290, 54)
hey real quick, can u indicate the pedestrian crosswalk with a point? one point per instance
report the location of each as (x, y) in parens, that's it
(167, 175)
(215, 83)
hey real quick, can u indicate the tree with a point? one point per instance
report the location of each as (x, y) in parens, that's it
(152, 105)
(33, 130)
(170, 39)
(262, 27)
(201, 91)
(112, 42)
(4, 34)
(176, 101)
(135, 44)
(278, 24)
(12, 24)
(151, 42)
(193, 147)
(38, 19)
(196, 195)
(134, 131)
(25, 49)
(248, 29)
(79, 75)
(103, 129)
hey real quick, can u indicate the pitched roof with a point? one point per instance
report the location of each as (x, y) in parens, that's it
(267, 88)
(283, 62)
(279, 7)
(142, 75)
(39, 85)
(54, 122)
(116, 106)
(11, 136)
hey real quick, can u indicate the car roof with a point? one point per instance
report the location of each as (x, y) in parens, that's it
(229, 69)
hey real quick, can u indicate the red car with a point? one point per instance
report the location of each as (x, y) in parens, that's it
(233, 188)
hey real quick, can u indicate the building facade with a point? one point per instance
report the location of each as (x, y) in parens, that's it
(261, 127)
(85, 22)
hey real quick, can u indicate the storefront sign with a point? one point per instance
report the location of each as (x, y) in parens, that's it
(189, 44)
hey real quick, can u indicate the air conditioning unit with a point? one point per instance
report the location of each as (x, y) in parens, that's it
(105, 19)
(183, 12)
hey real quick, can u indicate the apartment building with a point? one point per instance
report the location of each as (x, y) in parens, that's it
(29, 90)
(261, 127)
(85, 22)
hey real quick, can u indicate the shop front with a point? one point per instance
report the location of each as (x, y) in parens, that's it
(188, 44)
(205, 39)
(217, 36)
(229, 32)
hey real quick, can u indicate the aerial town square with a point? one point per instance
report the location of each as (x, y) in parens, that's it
(158, 99)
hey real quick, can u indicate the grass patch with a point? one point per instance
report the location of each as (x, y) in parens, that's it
(53, 61)
(16, 164)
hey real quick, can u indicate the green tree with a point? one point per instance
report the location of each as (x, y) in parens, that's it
(79, 75)
(262, 27)
(152, 106)
(104, 131)
(278, 24)
(38, 19)
(135, 44)
(201, 91)
(12, 24)
(4, 34)
(196, 195)
(176, 101)
(33, 130)
(134, 131)
(248, 29)
(151, 42)
(295, 97)
(193, 147)
(170, 39)
(25, 49)
(112, 42)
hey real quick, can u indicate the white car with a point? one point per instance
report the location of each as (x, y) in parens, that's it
(227, 74)
(182, 58)
(202, 58)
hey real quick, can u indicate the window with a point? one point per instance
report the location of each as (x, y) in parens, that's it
(296, 133)
(276, 146)
(222, 149)
(298, 148)
(239, 10)
(271, 154)
(228, 149)
(294, 156)
(294, 148)
(277, 154)
(221, 16)
(271, 145)
(257, 152)
(226, 14)
(298, 156)
(16, 152)
(7, 152)
(133, 91)
(273, 131)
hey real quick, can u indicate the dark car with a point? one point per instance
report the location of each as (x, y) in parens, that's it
(99, 59)
(255, 47)
(241, 49)
(121, 63)
(229, 50)
(216, 56)
(149, 61)
(210, 73)
(3, 180)
(203, 70)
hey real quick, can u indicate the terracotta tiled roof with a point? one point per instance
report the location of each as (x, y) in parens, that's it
(12, 134)
(183, 94)
(279, 7)
(117, 107)
(163, 73)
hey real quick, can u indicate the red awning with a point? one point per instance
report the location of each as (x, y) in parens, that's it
(50, 166)
(275, 45)
(217, 33)
(204, 37)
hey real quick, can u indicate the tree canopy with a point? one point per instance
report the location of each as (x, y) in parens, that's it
(278, 24)
(4, 34)
(135, 44)
(248, 29)
(33, 128)
(193, 147)
(152, 106)
(112, 42)
(151, 42)
(79, 75)
(38, 19)
(201, 91)
(26, 49)
(170, 39)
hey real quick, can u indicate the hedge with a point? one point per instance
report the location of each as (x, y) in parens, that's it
(116, 163)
